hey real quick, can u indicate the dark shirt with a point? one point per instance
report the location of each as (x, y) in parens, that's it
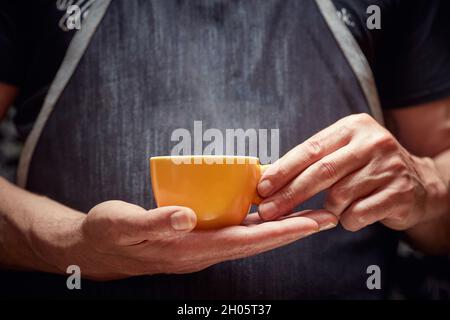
(33, 41)
(410, 54)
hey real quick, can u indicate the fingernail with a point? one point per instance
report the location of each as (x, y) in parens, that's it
(181, 221)
(268, 210)
(265, 187)
(327, 226)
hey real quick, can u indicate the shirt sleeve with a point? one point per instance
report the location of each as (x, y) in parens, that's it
(11, 44)
(412, 62)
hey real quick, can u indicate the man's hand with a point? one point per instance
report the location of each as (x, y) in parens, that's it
(118, 239)
(370, 177)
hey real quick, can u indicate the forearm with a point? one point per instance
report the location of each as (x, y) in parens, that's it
(433, 235)
(36, 233)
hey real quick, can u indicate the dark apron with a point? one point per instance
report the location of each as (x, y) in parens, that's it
(155, 66)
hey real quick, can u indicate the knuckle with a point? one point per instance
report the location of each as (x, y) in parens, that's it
(313, 148)
(351, 219)
(288, 197)
(348, 225)
(283, 170)
(344, 131)
(406, 187)
(336, 195)
(405, 182)
(354, 155)
(361, 118)
(397, 165)
(402, 215)
(327, 169)
(385, 142)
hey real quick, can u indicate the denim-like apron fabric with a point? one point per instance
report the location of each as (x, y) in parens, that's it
(154, 66)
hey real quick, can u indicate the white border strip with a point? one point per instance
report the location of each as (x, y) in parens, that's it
(354, 56)
(73, 56)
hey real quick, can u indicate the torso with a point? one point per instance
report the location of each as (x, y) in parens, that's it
(155, 66)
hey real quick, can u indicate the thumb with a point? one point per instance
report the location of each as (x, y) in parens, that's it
(164, 222)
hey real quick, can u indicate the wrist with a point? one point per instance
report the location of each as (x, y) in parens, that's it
(57, 243)
(431, 233)
(436, 204)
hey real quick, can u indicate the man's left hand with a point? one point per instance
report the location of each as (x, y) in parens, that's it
(369, 176)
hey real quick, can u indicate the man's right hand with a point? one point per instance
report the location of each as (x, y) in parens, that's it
(117, 240)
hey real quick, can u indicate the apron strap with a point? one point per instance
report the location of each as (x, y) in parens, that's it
(73, 56)
(355, 57)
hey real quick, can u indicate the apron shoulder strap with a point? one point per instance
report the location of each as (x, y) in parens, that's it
(73, 56)
(355, 57)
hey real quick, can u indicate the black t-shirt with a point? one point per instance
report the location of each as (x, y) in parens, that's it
(33, 41)
(409, 55)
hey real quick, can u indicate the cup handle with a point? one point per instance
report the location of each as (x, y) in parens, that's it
(257, 199)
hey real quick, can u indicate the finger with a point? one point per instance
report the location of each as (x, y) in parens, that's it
(252, 219)
(302, 156)
(325, 219)
(159, 223)
(316, 178)
(366, 211)
(255, 219)
(358, 184)
(241, 241)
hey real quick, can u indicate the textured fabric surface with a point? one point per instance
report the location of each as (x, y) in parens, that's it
(154, 66)
(10, 148)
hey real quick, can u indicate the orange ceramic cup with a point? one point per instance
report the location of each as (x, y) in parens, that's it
(220, 189)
